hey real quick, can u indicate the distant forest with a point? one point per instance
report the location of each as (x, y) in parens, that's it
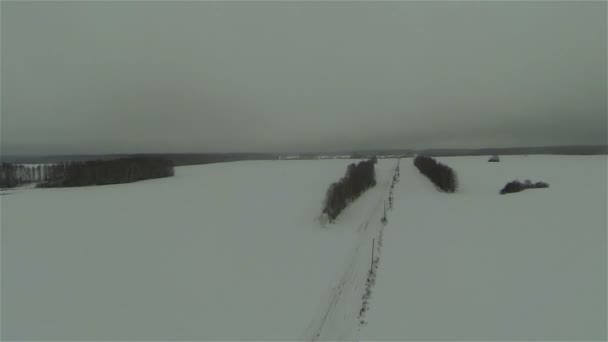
(180, 159)
(83, 173)
(177, 159)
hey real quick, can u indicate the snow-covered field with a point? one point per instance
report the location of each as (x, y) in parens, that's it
(233, 252)
(219, 252)
(479, 266)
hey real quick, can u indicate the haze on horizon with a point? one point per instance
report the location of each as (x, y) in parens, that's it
(127, 77)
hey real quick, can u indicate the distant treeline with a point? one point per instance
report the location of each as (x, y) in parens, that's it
(12, 175)
(182, 159)
(517, 186)
(83, 173)
(441, 175)
(179, 159)
(558, 150)
(358, 178)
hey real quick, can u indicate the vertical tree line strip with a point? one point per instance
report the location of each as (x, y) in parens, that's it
(358, 178)
(95, 172)
(441, 175)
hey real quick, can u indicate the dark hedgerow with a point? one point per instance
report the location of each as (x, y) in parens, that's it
(517, 186)
(358, 178)
(443, 176)
(102, 172)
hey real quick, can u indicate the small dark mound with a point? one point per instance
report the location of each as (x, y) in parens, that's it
(517, 186)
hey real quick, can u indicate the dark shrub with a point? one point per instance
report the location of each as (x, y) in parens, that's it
(494, 159)
(441, 175)
(517, 186)
(511, 187)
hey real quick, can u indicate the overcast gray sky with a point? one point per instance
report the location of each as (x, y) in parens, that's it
(134, 76)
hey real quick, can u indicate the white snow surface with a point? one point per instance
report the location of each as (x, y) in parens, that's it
(232, 251)
(227, 251)
(476, 265)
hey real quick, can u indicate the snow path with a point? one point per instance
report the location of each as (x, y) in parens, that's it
(377, 251)
(339, 312)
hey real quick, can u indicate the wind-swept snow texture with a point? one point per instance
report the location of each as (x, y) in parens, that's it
(219, 252)
(475, 265)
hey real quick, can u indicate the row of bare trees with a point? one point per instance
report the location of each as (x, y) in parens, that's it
(83, 173)
(443, 176)
(358, 178)
(12, 175)
(112, 171)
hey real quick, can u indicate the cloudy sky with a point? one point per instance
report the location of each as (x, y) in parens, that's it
(134, 76)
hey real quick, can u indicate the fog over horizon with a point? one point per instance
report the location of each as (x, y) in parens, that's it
(133, 77)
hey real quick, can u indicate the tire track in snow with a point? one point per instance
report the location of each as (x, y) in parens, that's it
(371, 278)
(377, 252)
(338, 317)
